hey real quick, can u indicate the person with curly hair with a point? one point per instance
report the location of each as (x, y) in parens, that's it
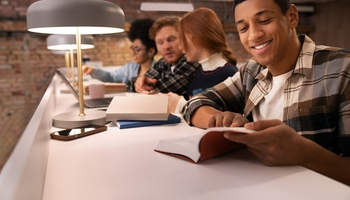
(143, 49)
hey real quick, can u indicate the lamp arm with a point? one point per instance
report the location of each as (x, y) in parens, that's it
(80, 74)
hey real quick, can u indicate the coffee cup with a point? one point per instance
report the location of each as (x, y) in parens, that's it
(97, 91)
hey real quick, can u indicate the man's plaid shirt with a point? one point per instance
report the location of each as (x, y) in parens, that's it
(175, 81)
(316, 96)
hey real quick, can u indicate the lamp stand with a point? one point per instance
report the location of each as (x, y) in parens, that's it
(80, 74)
(71, 119)
(66, 56)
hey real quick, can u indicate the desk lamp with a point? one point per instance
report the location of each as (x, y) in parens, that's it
(67, 43)
(76, 17)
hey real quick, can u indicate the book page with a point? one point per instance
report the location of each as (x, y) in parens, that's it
(210, 143)
(227, 129)
(186, 146)
(191, 141)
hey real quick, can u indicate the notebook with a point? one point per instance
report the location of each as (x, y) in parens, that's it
(88, 103)
(121, 124)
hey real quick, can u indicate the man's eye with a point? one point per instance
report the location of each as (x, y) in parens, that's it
(266, 21)
(243, 29)
(171, 39)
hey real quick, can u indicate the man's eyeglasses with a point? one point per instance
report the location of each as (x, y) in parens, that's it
(136, 50)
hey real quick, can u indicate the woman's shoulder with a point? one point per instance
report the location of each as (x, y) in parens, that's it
(132, 64)
(129, 67)
(229, 67)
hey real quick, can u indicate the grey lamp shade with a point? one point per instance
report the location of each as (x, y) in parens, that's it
(64, 16)
(68, 42)
(60, 52)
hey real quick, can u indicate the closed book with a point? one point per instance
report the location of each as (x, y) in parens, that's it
(138, 107)
(172, 119)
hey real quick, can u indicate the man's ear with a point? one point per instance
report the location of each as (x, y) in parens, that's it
(293, 16)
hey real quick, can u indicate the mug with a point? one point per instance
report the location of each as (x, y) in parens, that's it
(97, 91)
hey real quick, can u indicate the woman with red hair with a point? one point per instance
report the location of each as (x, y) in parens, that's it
(202, 39)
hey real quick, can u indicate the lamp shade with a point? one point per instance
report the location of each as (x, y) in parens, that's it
(64, 16)
(67, 42)
(59, 52)
(76, 17)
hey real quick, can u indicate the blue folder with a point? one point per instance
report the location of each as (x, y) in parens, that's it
(122, 124)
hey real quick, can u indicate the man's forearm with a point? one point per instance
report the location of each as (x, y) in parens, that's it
(329, 164)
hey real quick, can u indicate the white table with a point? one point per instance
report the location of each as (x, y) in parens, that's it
(122, 164)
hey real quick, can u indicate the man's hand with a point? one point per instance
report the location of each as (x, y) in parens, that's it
(87, 69)
(173, 100)
(275, 143)
(144, 85)
(227, 119)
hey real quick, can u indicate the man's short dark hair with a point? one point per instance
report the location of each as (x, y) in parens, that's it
(282, 4)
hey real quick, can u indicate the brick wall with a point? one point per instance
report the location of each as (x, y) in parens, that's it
(111, 50)
(27, 66)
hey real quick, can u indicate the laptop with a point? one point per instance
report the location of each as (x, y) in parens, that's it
(88, 103)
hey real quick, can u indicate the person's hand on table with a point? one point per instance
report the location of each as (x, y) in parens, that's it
(144, 85)
(173, 100)
(87, 69)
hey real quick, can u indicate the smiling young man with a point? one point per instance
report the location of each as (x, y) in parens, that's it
(296, 95)
(172, 73)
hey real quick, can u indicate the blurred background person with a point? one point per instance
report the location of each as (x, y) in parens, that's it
(202, 39)
(142, 49)
(172, 73)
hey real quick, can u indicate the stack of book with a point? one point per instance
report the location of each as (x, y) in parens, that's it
(138, 110)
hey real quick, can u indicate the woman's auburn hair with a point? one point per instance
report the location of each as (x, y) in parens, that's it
(207, 31)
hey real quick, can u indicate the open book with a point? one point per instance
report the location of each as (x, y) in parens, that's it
(200, 147)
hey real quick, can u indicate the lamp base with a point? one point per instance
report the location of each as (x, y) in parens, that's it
(72, 119)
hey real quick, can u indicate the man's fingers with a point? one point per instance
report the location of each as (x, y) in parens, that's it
(238, 121)
(212, 122)
(262, 124)
(236, 137)
(151, 81)
(147, 88)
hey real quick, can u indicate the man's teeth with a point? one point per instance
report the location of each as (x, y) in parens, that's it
(261, 46)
